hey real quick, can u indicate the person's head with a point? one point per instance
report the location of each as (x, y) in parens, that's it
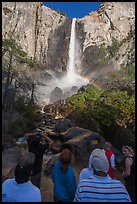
(127, 151)
(107, 145)
(24, 167)
(65, 158)
(100, 163)
(34, 139)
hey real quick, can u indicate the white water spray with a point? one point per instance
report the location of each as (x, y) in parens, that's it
(72, 77)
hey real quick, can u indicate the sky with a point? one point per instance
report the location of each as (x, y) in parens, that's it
(74, 9)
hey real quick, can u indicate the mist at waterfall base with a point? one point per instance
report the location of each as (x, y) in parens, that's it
(71, 81)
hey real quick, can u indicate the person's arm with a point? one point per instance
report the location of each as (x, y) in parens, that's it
(77, 197)
(112, 161)
(127, 170)
(42, 147)
(71, 186)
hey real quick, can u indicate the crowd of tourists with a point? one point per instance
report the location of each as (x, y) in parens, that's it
(96, 183)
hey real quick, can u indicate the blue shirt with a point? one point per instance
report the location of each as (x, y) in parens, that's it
(64, 182)
(101, 189)
(25, 192)
(86, 172)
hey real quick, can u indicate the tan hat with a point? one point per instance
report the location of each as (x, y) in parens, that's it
(99, 160)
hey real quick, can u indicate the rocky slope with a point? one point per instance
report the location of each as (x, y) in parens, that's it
(44, 34)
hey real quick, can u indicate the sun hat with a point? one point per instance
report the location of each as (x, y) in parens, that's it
(99, 160)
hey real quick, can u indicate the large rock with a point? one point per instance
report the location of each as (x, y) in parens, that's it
(10, 158)
(56, 94)
(71, 133)
(13, 123)
(63, 124)
(84, 143)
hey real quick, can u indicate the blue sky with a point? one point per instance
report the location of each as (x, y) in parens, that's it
(74, 9)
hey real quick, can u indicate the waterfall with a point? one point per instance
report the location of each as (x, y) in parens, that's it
(72, 77)
(71, 65)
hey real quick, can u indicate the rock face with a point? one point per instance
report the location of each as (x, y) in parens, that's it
(111, 26)
(35, 27)
(106, 36)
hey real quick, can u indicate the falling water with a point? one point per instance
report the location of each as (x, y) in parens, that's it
(72, 77)
(71, 66)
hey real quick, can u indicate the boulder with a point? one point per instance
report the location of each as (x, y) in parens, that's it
(56, 94)
(10, 158)
(71, 133)
(63, 124)
(85, 142)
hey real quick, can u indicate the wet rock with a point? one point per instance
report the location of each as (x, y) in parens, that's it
(74, 89)
(56, 94)
(63, 124)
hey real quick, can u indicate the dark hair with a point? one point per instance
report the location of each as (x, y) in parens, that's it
(35, 139)
(65, 159)
(22, 173)
(24, 168)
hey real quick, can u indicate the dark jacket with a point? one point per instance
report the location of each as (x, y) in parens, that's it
(38, 147)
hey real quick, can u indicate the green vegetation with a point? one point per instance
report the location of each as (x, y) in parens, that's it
(18, 81)
(96, 109)
(10, 45)
(27, 110)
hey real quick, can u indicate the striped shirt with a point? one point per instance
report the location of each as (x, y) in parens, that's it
(101, 189)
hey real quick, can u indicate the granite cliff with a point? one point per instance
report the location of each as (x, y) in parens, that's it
(106, 34)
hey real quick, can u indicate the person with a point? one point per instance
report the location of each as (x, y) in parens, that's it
(20, 188)
(86, 172)
(63, 178)
(37, 145)
(129, 171)
(111, 159)
(99, 187)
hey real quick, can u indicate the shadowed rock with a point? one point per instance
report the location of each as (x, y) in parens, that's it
(85, 142)
(63, 124)
(10, 158)
(71, 133)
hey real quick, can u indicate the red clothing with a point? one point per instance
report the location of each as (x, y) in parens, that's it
(111, 172)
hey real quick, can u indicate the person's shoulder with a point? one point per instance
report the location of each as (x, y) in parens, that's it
(115, 181)
(34, 188)
(7, 181)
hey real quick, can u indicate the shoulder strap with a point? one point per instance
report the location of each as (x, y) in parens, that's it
(131, 159)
